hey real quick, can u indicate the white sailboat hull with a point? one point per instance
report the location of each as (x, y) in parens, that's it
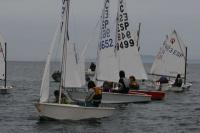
(72, 112)
(180, 89)
(6, 89)
(169, 87)
(114, 98)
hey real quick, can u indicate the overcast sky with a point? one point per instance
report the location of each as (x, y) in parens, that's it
(28, 25)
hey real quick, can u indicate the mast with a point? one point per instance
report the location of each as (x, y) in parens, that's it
(185, 65)
(65, 22)
(5, 58)
(138, 34)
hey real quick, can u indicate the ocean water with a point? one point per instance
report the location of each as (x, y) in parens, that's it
(178, 113)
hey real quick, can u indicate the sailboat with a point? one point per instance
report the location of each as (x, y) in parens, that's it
(170, 61)
(127, 50)
(3, 66)
(70, 77)
(109, 62)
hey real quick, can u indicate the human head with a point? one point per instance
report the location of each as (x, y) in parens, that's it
(91, 84)
(56, 93)
(87, 78)
(121, 74)
(178, 75)
(132, 78)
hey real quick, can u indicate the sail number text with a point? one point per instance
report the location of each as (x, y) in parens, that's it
(124, 38)
(106, 40)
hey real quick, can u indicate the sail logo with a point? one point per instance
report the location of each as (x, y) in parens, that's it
(172, 40)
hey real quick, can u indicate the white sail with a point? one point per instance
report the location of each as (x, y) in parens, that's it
(126, 47)
(170, 60)
(107, 69)
(44, 91)
(70, 67)
(58, 38)
(2, 58)
(82, 69)
(81, 65)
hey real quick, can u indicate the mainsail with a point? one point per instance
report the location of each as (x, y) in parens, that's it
(171, 58)
(2, 58)
(107, 68)
(71, 75)
(126, 47)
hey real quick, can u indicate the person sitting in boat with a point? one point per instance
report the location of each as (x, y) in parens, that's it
(163, 80)
(178, 81)
(123, 83)
(133, 84)
(87, 78)
(63, 97)
(107, 86)
(56, 76)
(94, 95)
(92, 67)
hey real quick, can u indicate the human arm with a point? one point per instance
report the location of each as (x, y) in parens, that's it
(90, 95)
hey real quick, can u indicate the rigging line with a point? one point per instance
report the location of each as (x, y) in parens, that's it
(1, 48)
(89, 40)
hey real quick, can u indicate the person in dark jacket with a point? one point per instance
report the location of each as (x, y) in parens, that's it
(178, 81)
(123, 83)
(63, 97)
(92, 67)
(163, 80)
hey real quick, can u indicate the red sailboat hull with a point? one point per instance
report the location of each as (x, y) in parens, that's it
(155, 95)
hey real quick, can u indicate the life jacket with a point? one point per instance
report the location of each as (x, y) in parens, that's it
(134, 85)
(97, 96)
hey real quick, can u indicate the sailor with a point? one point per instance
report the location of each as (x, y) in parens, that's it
(92, 67)
(94, 95)
(63, 97)
(163, 79)
(133, 85)
(178, 81)
(123, 83)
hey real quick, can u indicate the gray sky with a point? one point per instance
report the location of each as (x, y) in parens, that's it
(28, 25)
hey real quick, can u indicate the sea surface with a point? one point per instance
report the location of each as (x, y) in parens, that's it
(178, 113)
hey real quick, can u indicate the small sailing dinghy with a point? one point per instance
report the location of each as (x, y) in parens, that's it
(70, 77)
(3, 66)
(170, 61)
(127, 51)
(111, 61)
